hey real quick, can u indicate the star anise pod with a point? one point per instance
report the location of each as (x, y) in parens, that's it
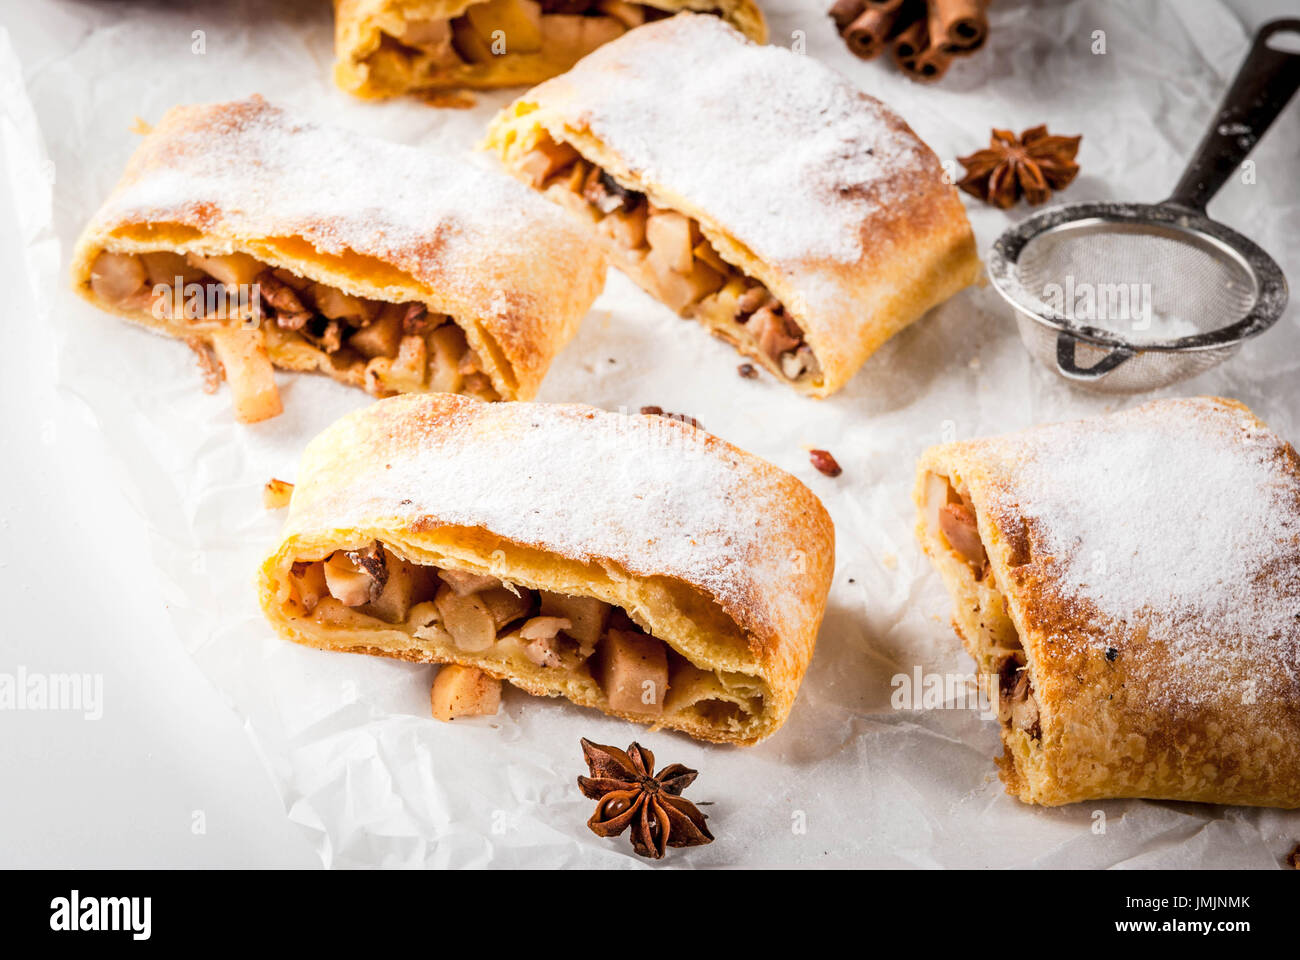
(630, 794)
(1033, 165)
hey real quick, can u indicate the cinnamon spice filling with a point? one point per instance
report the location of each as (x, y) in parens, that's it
(432, 52)
(998, 644)
(508, 624)
(387, 348)
(667, 253)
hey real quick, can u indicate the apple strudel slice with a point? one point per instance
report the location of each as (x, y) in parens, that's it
(1130, 587)
(272, 241)
(748, 187)
(389, 47)
(630, 563)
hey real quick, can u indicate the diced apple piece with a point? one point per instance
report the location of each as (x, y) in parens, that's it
(349, 583)
(670, 240)
(309, 581)
(460, 691)
(546, 160)
(680, 290)
(411, 362)
(229, 269)
(117, 276)
(276, 494)
(380, 337)
(704, 251)
(467, 42)
(164, 266)
(633, 672)
(629, 14)
(505, 605)
(628, 229)
(957, 521)
(337, 305)
(248, 369)
(587, 616)
(520, 23)
(394, 600)
(426, 33)
(425, 623)
(467, 619)
(466, 583)
(446, 345)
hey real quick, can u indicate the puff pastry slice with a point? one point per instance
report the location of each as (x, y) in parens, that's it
(629, 563)
(240, 228)
(748, 187)
(1130, 585)
(390, 47)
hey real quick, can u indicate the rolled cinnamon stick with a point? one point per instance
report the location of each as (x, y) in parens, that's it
(917, 57)
(958, 26)
(867, 35)
(844, 12)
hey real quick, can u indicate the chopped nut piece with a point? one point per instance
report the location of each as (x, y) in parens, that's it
(416, 319)
(117, 276)
(751, 300)
(276, 494)
(209, 366)
(747, 370)
(633, 672)
(467, 619)
(774, 336)
(252, 381)
(465, 583)
(460, 691)
(290, 314)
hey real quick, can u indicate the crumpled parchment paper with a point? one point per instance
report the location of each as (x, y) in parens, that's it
(850, 779)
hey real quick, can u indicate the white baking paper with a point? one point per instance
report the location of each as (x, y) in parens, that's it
(850, 780)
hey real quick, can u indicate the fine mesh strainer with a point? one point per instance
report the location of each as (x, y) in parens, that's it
(1125, 297)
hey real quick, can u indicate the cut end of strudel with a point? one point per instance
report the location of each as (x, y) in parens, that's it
(633, 564)
(390, 47)
(271, 241)
(750, 188)
(1131, 586)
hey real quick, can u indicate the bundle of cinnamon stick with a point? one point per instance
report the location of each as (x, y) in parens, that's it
(924, 35)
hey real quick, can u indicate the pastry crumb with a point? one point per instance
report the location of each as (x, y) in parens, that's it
(889, 561)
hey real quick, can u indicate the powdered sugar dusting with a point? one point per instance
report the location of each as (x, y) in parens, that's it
(252, 167)
(1181, 516)
(653, 495)
(783, 152)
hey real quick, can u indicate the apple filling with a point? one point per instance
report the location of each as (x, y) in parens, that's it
(986, 622)
(510, 626)
(666, 253)
(246, 308)
(440, 52)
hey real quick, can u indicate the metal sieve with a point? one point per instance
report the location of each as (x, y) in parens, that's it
(1125, 297)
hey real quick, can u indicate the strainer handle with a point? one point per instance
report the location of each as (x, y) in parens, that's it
(1262, 87)
(1065, 363)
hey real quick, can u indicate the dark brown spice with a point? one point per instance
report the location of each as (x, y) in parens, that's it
(1031, 166)
(630, 794)
(823, 461)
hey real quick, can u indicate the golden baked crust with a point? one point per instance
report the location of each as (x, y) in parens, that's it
(371, 62)
(717, 553)
(795, 177)
(1149, 564)
(376, 220)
